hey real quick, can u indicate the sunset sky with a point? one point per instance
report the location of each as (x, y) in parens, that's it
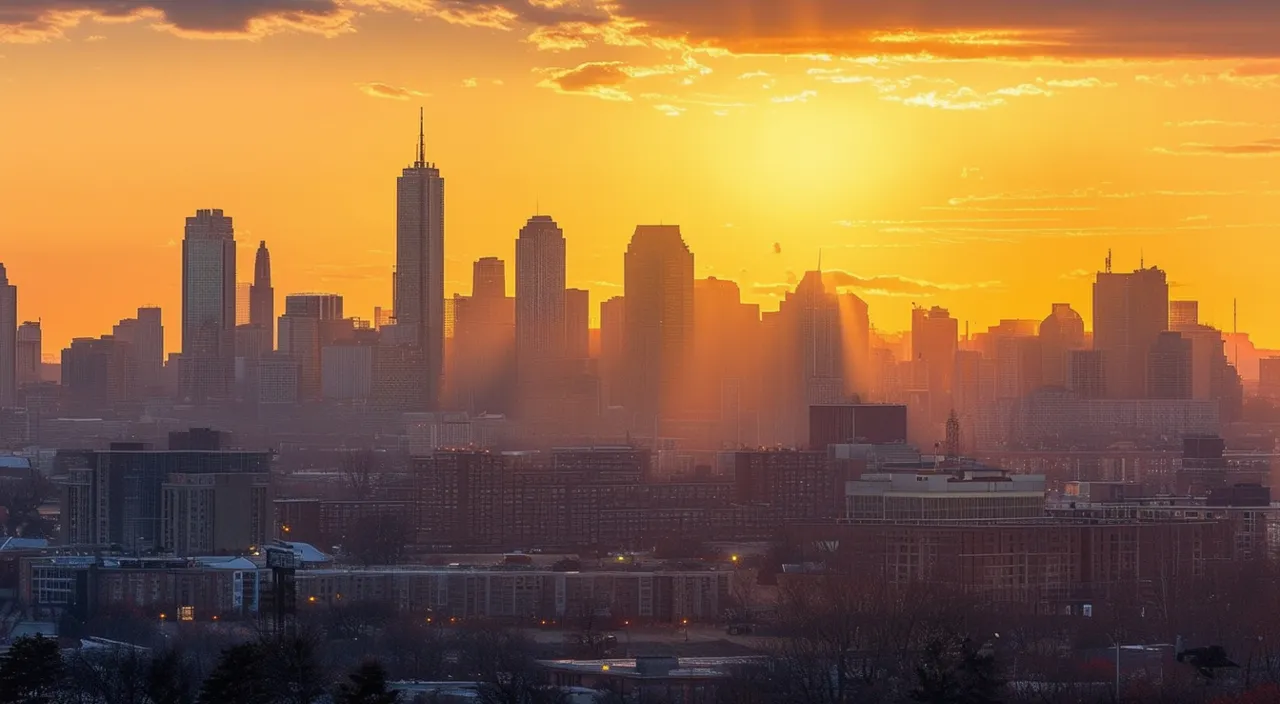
(979, 155)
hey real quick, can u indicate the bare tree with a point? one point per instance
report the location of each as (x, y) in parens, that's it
(361, 472)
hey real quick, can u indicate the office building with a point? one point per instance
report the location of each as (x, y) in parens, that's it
(419, 278)
(658, 337)
(145, 333)
(1169, 367)
(1129, 313)
(1269, 377)
(540, 295)
(262, 297)
(484, 363)
(613, 325)
(577, 323)
(98, 373)
(797, 484)
(1060, 333)
(1086, 373)
(346, 369)
(489, 278)
(310, 322)
(208, 307)
(872, 424)
(243, 289)
(807, 361)
(117, 496)
(8, 340)
(935, 339)
(29, 353)
(215, 513)
(1183, 315)
(973, 493)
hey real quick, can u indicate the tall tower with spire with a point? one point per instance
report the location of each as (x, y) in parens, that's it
(8, 340)
(419, 299)
(262, 298)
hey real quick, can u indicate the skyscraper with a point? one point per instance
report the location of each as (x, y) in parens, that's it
(262, 298)
(934, 340)
(540, 306)
(613, 325)
(658, 287)
(1169, 367)
(1061, 332)
(244, 290)
(208, 306)
(419, 286)
(489, 278)
(1183, 314)
(8, 340)
(577, 323)
(30, 352)
(1129, 313)
(484, 342)
(145, 334)
(310, 322)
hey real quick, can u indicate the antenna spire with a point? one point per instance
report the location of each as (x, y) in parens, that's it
(422, 138)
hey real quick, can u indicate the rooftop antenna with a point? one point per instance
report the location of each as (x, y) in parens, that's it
(1142, 259)
(422, 139)
(1108, 269)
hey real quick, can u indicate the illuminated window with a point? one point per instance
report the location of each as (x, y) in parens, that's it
(186, 613)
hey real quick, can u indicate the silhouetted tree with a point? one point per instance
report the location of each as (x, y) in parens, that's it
(240, 678)
(293, 669)
(952, 671)
(22, 498)
(361, 472)
(31, 672)
(367, 685)
(169, 679)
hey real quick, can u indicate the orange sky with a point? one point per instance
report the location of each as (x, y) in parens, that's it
(982, 157)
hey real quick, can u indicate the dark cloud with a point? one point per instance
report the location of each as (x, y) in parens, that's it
(973, 29)
(603, 79)
(37, 20)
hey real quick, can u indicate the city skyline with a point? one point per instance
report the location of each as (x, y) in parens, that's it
(1067, 147)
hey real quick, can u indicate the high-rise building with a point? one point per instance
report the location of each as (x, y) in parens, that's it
(310, 322)
(484, 342)
(243, 291)
(145, 334)
(1129, 313)
(540, 299)
(577, 323)
(613, 323)
(489, 278)
(810, 361)
(262, 297)
(8, 340)
(1183, 314)
(208, 306)
(658, 286)
(1169, 367)
(1086, 373)
(30, 353)
(419, 278)
(935, 338)
(118, 496)
(1063, 330)
(99, 372)
(726, 368)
